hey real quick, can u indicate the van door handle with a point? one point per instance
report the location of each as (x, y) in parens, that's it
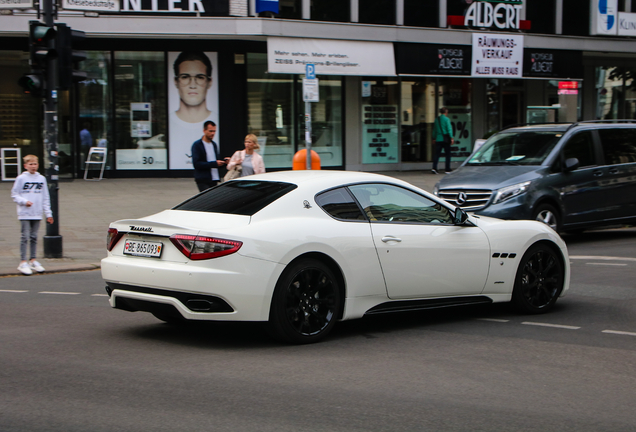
(598, 173)
(387, 239)
(613, 171)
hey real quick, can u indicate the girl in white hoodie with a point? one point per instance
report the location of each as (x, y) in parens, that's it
(31, 194)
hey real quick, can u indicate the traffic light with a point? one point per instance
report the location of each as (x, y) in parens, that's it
(41, 51)
(39, 47)
(32, 83)
(68, 57)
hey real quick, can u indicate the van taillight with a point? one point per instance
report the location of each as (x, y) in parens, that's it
(112, 238)
(202, 247)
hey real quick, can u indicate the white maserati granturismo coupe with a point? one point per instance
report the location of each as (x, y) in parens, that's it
(301, 250)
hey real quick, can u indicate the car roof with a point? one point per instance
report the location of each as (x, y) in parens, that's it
(552, 127)
(324, 178)
(564, 127)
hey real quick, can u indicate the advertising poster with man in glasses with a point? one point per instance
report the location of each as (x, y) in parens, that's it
(193, 100)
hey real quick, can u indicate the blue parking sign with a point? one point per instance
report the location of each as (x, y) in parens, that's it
(310, 71)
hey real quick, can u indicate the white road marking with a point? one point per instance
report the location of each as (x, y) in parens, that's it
(59, 292)
(551, 325)
(619, 332)
(606, 264)
(493, 320)
(99, 295)
(14, 291)
(601, 258)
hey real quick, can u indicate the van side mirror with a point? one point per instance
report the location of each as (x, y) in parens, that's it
(460, 216)
(571, 164)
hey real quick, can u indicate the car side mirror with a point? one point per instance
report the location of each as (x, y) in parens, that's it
(460, 216)
(571, 164)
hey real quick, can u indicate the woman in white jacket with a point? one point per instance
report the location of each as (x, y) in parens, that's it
(250, 161)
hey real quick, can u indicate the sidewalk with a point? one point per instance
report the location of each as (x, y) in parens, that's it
(86, 208)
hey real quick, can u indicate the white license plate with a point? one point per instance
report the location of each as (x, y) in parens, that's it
(143, 248)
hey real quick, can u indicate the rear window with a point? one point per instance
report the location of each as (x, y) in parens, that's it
(242, 197)
(516, 148)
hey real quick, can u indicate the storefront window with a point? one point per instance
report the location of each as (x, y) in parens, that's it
(418, 13)
(616, 93)
(20, 114)
(276, 115)
(140, 110)
(380, 120)
(492, 107)
(291, 9)
(326, 121)
(270, 112)
(94, 128)
(330, 10)
(417, 114)
(456, 96)
(377, 11)
(421, 100)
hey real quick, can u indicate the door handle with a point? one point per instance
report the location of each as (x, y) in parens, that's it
(598, 173)
(387, 239)
(613, 171)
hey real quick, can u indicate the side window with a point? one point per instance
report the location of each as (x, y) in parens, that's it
(387, 203)
(581, 146)
(619, 145)
(339, 204)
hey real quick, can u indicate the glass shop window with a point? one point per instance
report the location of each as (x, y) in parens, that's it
(140, 110)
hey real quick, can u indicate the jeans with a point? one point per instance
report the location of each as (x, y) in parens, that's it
(439, 145)
(29, 235)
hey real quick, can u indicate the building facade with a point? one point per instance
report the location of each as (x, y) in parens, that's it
(384, 68)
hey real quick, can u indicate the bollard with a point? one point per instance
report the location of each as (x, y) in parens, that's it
(299, 162)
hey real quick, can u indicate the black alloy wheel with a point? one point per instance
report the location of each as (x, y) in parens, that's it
(539, 280)
(305, 303)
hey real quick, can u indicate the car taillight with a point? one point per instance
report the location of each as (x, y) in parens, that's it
(201, 247)
(112, 238)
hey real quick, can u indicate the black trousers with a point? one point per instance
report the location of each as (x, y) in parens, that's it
(205, 184)
(439, 146)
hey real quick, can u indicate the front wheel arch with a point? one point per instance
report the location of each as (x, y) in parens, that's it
(307, 301)
(527, 294)
(548, 207)
(333, 266)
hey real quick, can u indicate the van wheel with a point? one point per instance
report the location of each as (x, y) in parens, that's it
(548, 215)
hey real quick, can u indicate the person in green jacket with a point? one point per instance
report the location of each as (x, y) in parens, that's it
(442, 128)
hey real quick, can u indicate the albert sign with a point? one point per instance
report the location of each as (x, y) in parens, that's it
(494, 13)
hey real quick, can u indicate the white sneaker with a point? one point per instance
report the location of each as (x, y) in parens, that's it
(36, 266)
(25, 269)
(434, 171)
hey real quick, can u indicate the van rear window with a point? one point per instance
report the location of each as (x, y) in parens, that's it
(240, 197)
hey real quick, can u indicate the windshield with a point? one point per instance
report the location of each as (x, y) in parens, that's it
(516, 148)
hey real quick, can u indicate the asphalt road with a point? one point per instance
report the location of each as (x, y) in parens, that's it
(68, 362)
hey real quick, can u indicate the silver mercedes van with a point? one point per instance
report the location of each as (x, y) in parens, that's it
(570, 176)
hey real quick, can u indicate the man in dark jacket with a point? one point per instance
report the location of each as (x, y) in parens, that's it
(206, 159)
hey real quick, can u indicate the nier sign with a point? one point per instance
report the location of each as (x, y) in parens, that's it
(494, 13)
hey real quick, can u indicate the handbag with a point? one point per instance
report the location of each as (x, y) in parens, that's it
(235, 172)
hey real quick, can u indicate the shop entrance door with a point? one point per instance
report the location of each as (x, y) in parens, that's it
(511, 108)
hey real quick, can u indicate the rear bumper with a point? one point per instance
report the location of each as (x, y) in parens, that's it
(239, 291)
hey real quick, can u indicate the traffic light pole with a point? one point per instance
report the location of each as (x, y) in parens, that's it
(52, 240)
